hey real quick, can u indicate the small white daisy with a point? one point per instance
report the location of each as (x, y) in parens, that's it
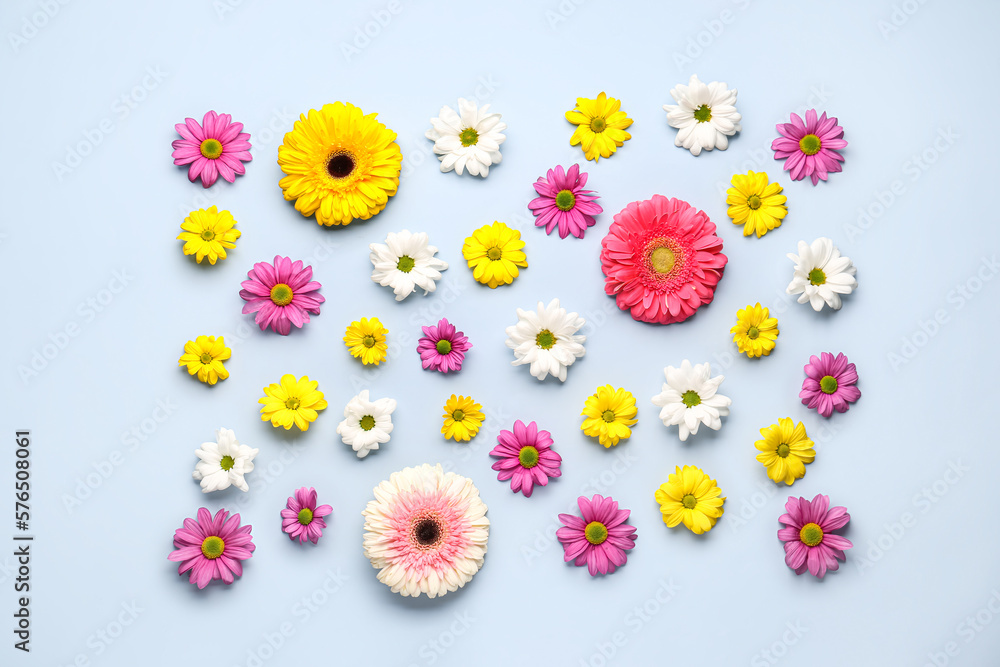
(546, 338)
(705, 115)
(405, 262)
(821, 274)
(367, 424)
(224, 463)
(689, 399)
(469, 139)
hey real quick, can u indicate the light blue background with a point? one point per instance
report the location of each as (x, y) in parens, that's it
(900, 76)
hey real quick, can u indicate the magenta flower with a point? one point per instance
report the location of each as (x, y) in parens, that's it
(281, 294)
(809, 544)
(600, 539)
(302, 519)
(829, 384)
(212, 548)
(442, 348)
(810, 147)
(526, 457)
(562, 201)
(217, 146)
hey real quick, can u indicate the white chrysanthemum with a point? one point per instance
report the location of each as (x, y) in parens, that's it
(469, 139)
(367, 424)
(705, 115)
(821, 274)
(546, 338)
(426, 531)
(405, 262)
(689, 399)
(224, 463)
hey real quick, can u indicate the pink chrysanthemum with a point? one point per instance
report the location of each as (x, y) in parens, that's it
(216, 147)
(829, 384)
(809, 544)
(600, 539)
(526, 457)
(212, 548)
(810, 147)
(301, 517)
(563, 202)
(442, 348)
(282, 294)
(662, 260)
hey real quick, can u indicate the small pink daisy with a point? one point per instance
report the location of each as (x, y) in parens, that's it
(302, 519)
(217, 146)
(600, 539)
(526, 457)
(212, 548)
(810, 147)
(809, 544)
(829, 384)
(281, 294)
(442, 348)
(562, 201)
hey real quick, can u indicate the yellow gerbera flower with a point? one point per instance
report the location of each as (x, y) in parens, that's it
(203, 357)
(340, 164)
(462, 418)
(755, 331)
(600, 126)
(366, 340)
(609, 413)
(692, 497)
(494, 253)
(292, 402)
(207, 233)
(753, 203)
(785, 451)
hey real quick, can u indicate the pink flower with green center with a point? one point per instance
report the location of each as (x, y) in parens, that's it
(216, 147)
(810, 148)
(829, 384)
(282, 294)
(302, 519)
(442, 347)
(809, 542)
(526, 457)
(600, 539)
(212, 548)
(562, 202)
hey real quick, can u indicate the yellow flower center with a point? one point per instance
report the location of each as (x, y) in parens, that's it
(292, 403)
(211, 148)
(458, 415)
(810, 144)
(468, 137)
(227, 462)
(689, 501)
(545, 339)
(368, 341)
(205, 358)
(341, 165)
(494, 253)
(565, 200)
(703, 114)
(753, 333)
(662, 259)
(528, 456)
(690, 398)
(811, 534)
(213, 547)
(817, 277)
(207, 234)
(783, 450)
(595, 532)
(367, 423)
(305, 516)
(443, 346)
(281, 294)
(598, 124)
(608, 416)
(753, 202)
(405, 264)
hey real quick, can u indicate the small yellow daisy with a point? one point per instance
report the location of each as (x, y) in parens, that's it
(600, 125)
(494, 253)
(785, 450)
(292, 402)
(203, 357)
(755, 331)
(207, 233)
(609, 414)
(691, 497)
(462, 418)
(366, 340)
(755, 204)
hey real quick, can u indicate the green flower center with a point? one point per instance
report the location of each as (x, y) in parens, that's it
(662, 259)
(468, 137)
(811, 534)
(494, 253)
(753, 333)
(817, 277)
(207, 234)
(368, 341)
(340, 165)
(598, 124)
(292, 403)
(703, 114)
(783, 450)
(565, 200)
(689, 501)
(608, 416)
(828, 384)
(595, 532)
(405, 264)
(458, 415)
(305, 516)
(211, 148)
(281, 294)
(367, 423)
(443, 346)
(528, 456)
(753, 202)
(227, 462)
(810, 144)
(545, 339)
(205, 358)
(212, 547)
(690, 398)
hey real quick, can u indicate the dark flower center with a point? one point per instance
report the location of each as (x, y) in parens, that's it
(427, 532)
(340, 165)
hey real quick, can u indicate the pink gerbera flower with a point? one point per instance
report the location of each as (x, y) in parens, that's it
(810, 147)
(562, 201)
(281, 294)
(526, 457)
(442, 348)
(662, 260)
(217, 146)
(302, 519)
(212, 548)
(829, 384)
(809, 544)
(600, 539)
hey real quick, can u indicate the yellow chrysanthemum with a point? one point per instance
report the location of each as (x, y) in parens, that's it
(207, 233)
(753, 203)
(462, 418)
(755, 331)
(340, 164)
(600, 126)
(609, 414)
(292, 402)
(785, 451)
(691, 497)
(494, 253)
(366, 340)
(203, 357)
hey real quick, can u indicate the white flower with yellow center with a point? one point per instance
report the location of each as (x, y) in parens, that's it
(405, 262)
(546, 339)
(469, 139)
(224, 463)
(821, 274)
(690, 399)
(705, 115)
(367, 423)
